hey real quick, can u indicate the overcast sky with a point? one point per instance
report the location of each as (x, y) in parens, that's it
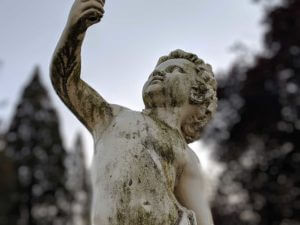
(121, 51)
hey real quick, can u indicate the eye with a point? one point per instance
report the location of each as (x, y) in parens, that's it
(179, 69)
(172, 69)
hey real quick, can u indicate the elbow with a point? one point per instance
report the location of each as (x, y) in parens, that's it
(55, 75)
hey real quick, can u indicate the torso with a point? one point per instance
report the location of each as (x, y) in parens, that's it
(136, 165)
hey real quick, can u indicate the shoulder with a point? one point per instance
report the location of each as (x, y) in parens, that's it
(116, 109)
(192, 155)
(192, 165)
(99, 125)
(121, 117)
(192, 158)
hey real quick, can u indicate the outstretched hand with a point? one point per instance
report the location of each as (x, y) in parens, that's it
(85, 13)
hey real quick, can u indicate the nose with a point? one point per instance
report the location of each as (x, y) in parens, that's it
(158, 73)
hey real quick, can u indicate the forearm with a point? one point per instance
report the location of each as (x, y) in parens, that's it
(87, 105)
(65, 69)
(66, 61)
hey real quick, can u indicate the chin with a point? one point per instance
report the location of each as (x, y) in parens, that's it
(155, 88)
(154, 97)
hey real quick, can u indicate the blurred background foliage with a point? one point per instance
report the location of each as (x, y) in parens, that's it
(41, 182)
(257, 128)
(255, 135)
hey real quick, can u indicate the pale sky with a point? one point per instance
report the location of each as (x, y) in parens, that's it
(121, 51)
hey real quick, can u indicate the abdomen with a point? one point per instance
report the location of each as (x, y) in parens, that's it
(130, 186)
(130, 189)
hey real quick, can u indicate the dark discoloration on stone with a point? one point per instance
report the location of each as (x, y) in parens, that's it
(141, 189)
(83, 101)
(180, 213)
(136, 200)
(164, 148)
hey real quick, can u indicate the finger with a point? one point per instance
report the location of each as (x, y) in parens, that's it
(100, 1)
(91, 16)
(92, 4)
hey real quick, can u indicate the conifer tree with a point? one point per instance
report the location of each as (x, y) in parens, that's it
(8, 183)
(35, 145)
(78, 183)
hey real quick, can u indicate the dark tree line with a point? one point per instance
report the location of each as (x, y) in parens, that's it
(256, 133)
(39, 183)
(257, 129)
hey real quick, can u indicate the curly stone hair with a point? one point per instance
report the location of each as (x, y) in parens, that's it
(203, 93)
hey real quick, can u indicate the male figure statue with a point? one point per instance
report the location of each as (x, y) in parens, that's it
(143, 171)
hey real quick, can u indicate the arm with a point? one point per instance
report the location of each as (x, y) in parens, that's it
(190, 190)
(87, 105)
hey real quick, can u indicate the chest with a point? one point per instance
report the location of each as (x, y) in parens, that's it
(137, 129)
(134, 145)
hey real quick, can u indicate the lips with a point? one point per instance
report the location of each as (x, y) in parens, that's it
(157, 79)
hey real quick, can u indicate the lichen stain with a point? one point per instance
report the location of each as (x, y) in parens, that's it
(139, 216)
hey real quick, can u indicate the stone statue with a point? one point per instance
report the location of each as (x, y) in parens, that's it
(143, 172)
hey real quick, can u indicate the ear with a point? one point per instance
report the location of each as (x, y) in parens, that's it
(198, 94)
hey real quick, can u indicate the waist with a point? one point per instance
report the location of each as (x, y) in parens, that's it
(135, 210)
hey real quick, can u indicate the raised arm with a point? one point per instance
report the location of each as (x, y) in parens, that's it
(87, 105)
(190, 190)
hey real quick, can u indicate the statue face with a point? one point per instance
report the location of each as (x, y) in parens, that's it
(169, 84)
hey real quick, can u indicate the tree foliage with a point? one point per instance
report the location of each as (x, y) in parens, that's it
(8, 184)
(78, 183)
(258, 128)
(34, 148)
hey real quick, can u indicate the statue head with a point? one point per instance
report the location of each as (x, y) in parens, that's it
(182, 79)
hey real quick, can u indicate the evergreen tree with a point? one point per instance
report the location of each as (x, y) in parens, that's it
(261, 143)
(8, 180)
(8, 184)
(35, 146)
(78, 183)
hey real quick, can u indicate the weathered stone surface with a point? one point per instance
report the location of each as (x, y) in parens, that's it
(143, 171)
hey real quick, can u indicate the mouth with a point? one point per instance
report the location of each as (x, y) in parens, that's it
(156, 80)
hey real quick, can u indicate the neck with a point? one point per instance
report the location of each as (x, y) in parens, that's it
(170, 116)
